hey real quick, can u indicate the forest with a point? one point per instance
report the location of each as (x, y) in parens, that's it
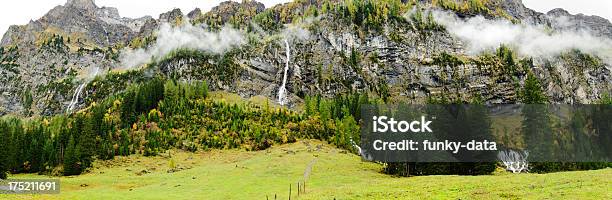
(161, 114)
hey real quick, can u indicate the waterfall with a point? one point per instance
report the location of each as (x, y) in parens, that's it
(75, 97)
(359, 151)
(79, 90)
(282, 96)
(516, 162)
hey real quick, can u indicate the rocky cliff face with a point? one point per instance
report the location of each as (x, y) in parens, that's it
(49, 56)
(102, 26)
(48, 59)
(561, 19)
(557, 18)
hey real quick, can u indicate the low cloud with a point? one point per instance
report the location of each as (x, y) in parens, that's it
(170, 38)
(481, 35)
(296, 32)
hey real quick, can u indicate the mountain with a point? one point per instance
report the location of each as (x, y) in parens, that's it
(561, 19)
(391, 49)
(102, 26)
(558, 18)
(68, 41)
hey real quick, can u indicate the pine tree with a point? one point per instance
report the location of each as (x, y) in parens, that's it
(532, 92)
(536, 125)
(602, 113)
(581, 143)
(72, 164)
(36, 146)
(17, 146)
(49, 156)
(480, 129)
(4, 149)
(128, 109)
(87, 142)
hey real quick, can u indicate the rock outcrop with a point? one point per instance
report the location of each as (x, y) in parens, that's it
(561, 19)
(102, 26)
(557, 18)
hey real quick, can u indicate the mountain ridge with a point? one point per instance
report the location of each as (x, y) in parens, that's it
(515, 8)
(401, 58)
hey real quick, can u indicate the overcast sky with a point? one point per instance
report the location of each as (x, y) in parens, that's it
(22, 11)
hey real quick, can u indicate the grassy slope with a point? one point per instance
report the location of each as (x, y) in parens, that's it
(235, 174)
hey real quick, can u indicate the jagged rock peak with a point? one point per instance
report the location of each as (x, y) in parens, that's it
(171, 16)
(563, 20)
(195, 13)
(82, 4)
(228, 9)
(226, 5)
(558, 12)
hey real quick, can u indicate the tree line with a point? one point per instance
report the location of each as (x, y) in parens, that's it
(159, 114)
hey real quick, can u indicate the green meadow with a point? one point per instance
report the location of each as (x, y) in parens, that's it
(328, 173)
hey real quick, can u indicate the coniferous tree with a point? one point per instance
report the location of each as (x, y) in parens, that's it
(4, 149)
(532, 92)
(536, 125)
(35, 148)
(602, 114)
(72, 164)
(49, 155)
(506, 55)
(128, 109)
(17, 146)
(87, 142)
(580, 139)
(480, 128)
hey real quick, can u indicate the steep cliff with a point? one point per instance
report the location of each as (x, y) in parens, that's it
(390, 49)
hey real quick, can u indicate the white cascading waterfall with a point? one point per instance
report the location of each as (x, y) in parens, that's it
(75, 97)
(79, 90)
(357, 147)
(516, 162)
(282, 96)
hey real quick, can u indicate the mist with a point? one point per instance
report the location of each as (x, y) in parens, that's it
(295, 32)
(482, 35)
(184, 36)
